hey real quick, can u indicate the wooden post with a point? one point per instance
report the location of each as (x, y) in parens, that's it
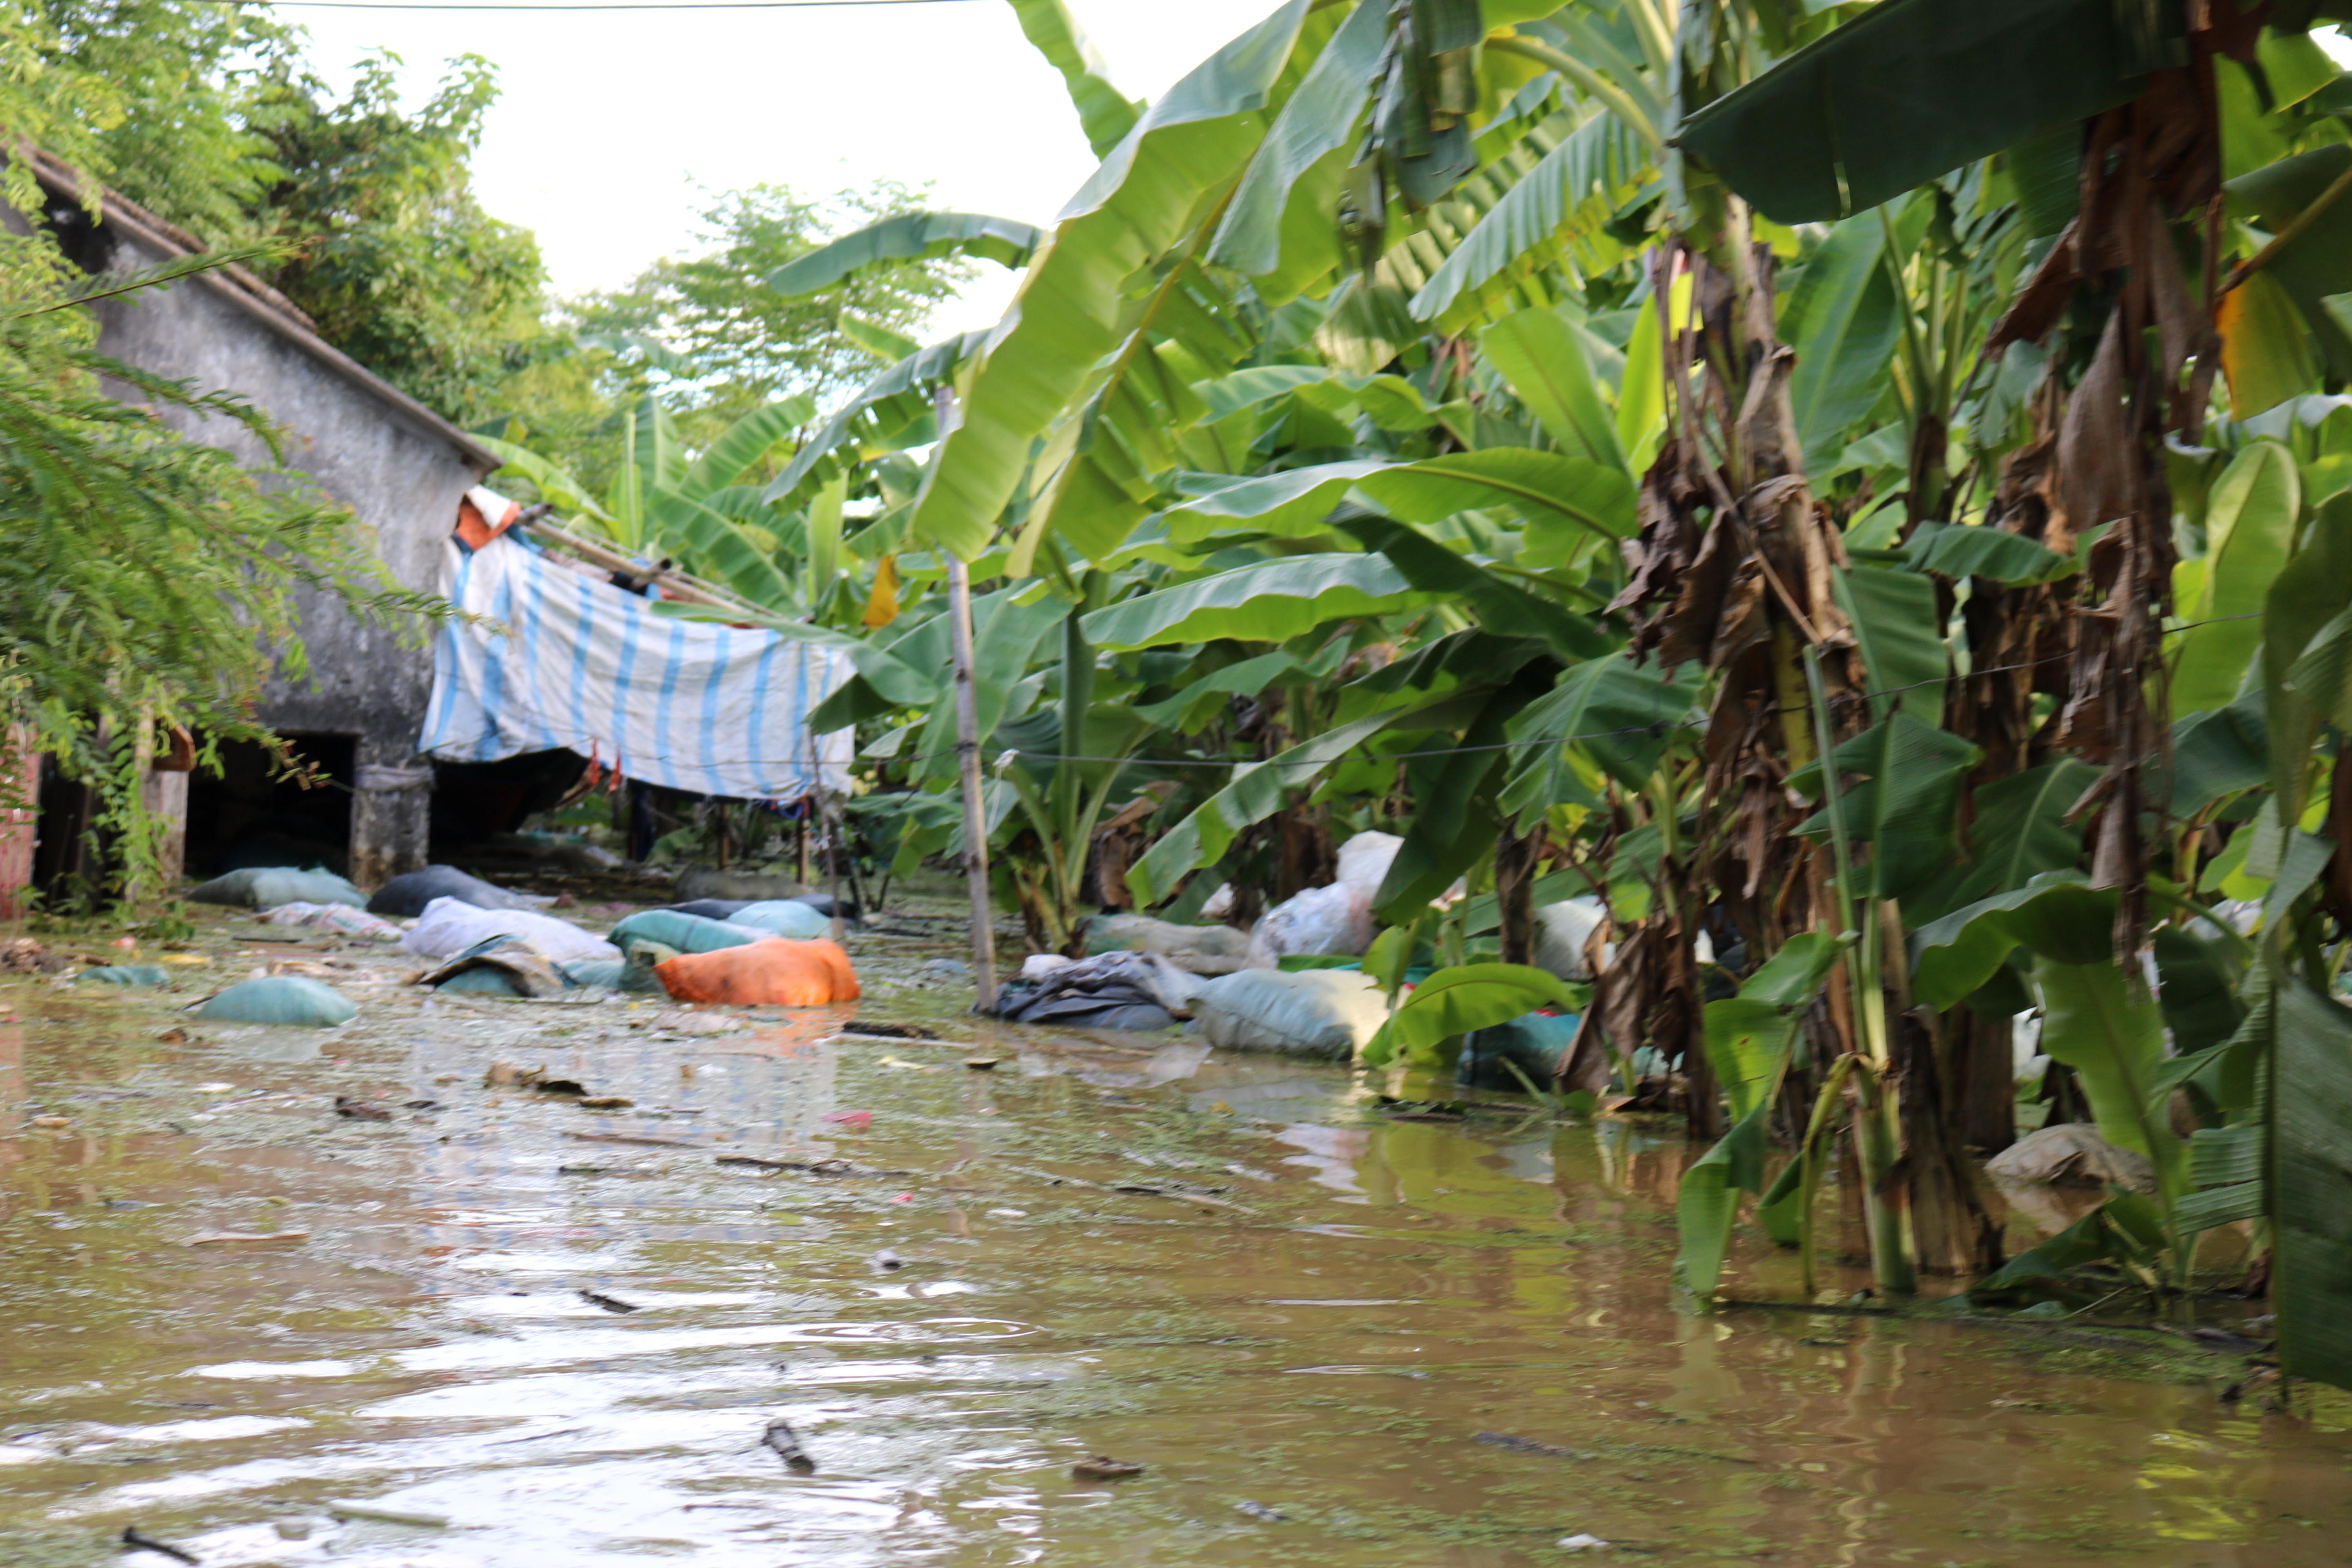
(975, 809)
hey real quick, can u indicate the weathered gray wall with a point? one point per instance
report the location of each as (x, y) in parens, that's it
(399, 469)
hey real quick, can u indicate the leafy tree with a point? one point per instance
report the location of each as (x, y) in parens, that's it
(710, 328)
(394, 257)
(148, 580)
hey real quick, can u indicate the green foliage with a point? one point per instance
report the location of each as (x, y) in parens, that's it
(398, 264)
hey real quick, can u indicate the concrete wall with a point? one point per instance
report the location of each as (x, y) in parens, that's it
(394, 464)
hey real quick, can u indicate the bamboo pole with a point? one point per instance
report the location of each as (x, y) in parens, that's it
(975, 810)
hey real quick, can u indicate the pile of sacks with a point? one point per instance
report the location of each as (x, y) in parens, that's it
(766, 953)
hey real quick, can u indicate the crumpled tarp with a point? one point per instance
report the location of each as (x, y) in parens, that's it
(1111, 991)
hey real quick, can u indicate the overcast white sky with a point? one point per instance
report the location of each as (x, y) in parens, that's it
(613, 124)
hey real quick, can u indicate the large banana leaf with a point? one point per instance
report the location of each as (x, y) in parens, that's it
(744, 443)
(2111, 1032)
(1068, 313)
(888, 406)
(1281, 230)
(2020, 831)
(1561, 498)
(1271, 601)
(1845, 314)
(1906, 805)
(2310, 1178)
(1454, 823)
(1620, 717)
(1115, 449)
(2250, 525)
(1502, 608)
(1104, 113)
(712, 546)
(1185, 711)
(1898, 628)
(1466, 997)
(1004, 639)
(1256, 792)
(1913, 88)
(2055, 915)
(1543, 359)
(909, 236)
(1749, 1038)
(2314, 264)
(2315, 588)
(1959, 550)
(1575, 188)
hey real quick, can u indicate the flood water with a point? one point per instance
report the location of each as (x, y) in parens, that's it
(1328, 1335)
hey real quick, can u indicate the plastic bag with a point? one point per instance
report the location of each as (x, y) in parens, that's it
(1114, 991)
(267, 887)
(1325, 1012)
(332, 917)
(449, 927)
(1336, 919)
(688, 933)
(771, 971)
(1364, 861)
(412, 892)
(1562, 932)
(2072, 1154)
(279, 999)
(1202, 950)
(1534, 1043)
(787, 918)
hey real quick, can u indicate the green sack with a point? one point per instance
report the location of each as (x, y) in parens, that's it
(267, 886)
(279, 999)
(683, 933)
(638, 956)
(785, 917)
(605, 972)
(127, 974)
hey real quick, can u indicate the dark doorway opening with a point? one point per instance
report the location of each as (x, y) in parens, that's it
(247, 817)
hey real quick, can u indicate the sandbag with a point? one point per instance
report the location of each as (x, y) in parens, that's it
(641, 958)
(1534, 1043)
(688, 933)
(341, 917)
(267, 887)
(789, 918)
(710, 909)
(2072, 1154)
(127, 974)
(1336, 919)
(1364, 861)
(1325, 1012)
(1562, 932)
(500, 964)
(1114, 991)
(412, 892)
(1201, 950)
(450, 926)
(771, 971)
(279, 999)
(596, 973)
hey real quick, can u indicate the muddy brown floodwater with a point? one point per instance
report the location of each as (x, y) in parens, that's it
(1329, 1336)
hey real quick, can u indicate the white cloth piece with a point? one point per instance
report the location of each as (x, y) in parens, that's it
(450, 926)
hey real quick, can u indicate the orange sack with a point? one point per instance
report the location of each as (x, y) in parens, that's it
(774, 971)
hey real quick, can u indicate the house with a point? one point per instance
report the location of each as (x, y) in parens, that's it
(401, 468)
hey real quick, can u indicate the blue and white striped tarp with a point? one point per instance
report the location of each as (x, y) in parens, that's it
(575, 662)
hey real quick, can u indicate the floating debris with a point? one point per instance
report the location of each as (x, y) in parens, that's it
(359, 1110)
(610, 1303)
(387, 1514)
(1102, 1467)
(1260, 1510)
(232, 1237)
(780, 1437)
(134, 1539)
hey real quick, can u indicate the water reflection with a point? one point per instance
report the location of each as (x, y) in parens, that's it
(1414, 1342)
